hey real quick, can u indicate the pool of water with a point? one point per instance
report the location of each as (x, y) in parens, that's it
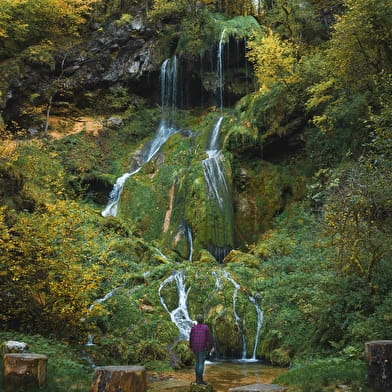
(224, 375)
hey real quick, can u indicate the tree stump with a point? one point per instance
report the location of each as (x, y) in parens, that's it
(119, 379)
(379, 363)
(24, 370)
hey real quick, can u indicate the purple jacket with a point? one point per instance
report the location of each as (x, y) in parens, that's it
(200, 338)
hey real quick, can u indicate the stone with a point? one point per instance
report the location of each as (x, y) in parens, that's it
(114, 122)
(119, 379)
(13, 346)
(24, 370)
(201, 387)
(259, 388)
(379, 365)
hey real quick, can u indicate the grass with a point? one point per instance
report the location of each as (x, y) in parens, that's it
(66, 371)
(325, 375)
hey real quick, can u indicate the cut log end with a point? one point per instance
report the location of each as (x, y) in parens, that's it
(24, 370)
(119, 378)
(379, 365)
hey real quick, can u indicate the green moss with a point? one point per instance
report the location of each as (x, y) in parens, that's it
(263, 191)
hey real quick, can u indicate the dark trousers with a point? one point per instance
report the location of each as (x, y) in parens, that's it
(199, 364)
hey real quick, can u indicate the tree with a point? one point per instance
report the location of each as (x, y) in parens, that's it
(274, 60)
(27, 22)
(49, 270)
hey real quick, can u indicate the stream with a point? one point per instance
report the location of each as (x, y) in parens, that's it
(221, 374)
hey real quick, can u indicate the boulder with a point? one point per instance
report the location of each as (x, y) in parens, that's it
(13, 346)
(201, 388)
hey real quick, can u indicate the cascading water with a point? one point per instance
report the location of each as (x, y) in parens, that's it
(165, 130)
(236, 316)
(259, 324)
(257, 4)
(190, 241)
(179, 315)
(213, 171)
(219, 194)
(220, 68)
(90, 337)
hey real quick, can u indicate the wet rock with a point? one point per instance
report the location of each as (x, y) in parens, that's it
(114, 122)
(201, 388)
(33, 131)
(259, 388)
(13, 346)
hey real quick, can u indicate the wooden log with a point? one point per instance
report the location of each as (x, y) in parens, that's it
(119, 379)
(379, 365)
(24, 370)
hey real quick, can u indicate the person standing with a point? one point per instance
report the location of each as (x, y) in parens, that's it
(200, 342)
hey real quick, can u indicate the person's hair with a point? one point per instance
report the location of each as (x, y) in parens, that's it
(200, 318)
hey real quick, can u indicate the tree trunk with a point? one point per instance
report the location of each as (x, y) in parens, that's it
(119, 379)
(379, 363)
(24, 370)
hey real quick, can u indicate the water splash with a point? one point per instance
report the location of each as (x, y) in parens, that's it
(259, 324)
(213, 170)
(179, 315)
(236, 316)
(114, 197)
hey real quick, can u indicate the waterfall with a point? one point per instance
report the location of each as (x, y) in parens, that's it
(213, 171)
(179, 315)
(90, 337)
(165, 130)
(236, 316)
(114, 197)
(257, 4)
(190, 241)
(220, 69)
(219, 195)
(259, 324)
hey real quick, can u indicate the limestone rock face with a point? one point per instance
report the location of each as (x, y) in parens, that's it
(24, 370)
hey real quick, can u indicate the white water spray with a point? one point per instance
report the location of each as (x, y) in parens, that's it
(179, 315)
(236, 316)
(165, 130)
(213, 170)
(220, 68)
(259, 324)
